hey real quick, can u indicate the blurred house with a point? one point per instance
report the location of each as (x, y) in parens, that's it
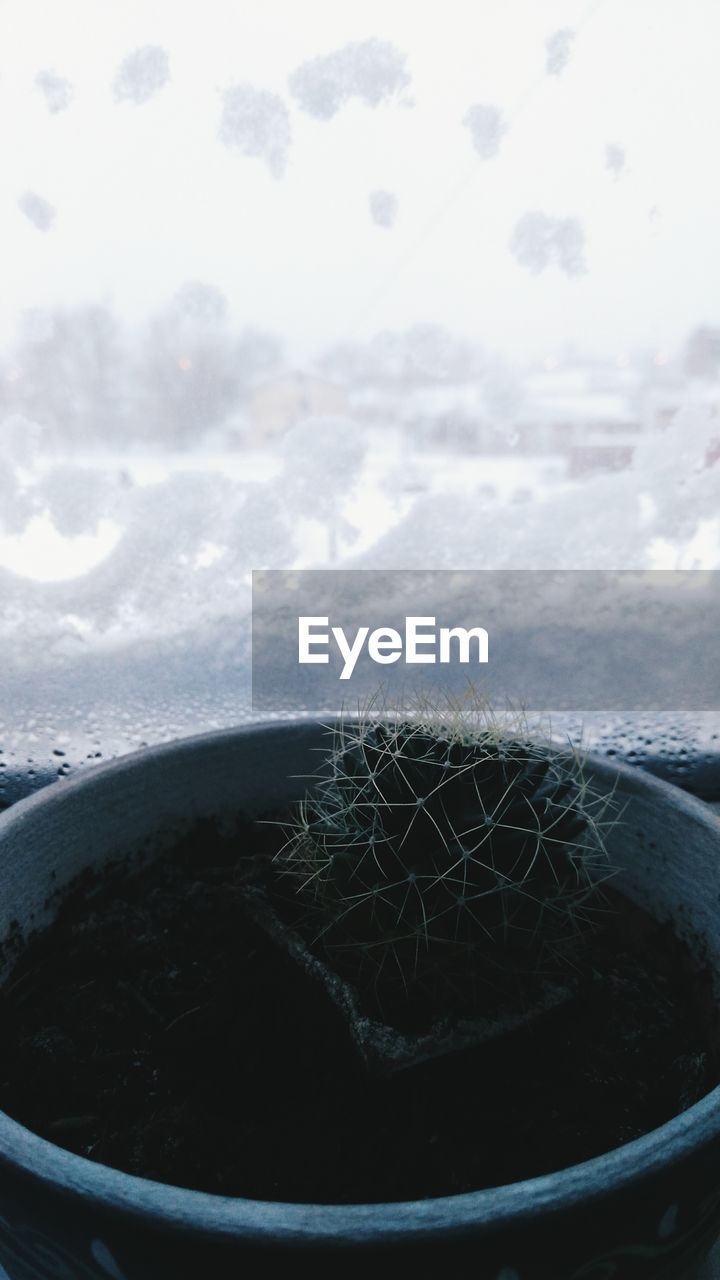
(276, 405)
(448, 415)
(585, 412)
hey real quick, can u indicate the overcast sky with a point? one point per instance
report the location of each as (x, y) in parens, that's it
(144, 195)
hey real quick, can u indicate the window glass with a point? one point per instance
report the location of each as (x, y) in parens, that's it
(372, 285)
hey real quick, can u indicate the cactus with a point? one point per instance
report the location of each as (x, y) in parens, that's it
(431, 838)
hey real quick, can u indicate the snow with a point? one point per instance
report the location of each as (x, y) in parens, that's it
(614, 159)
(558, 49)
(383, 208)
(141, 74)
(45, 554)
(539, 240)
(575, 396)
(104, 551)
(487, 128)
(76, 499)
(132, 509)
(256, 122)
(447, 398)
(373, 71)
(196, 300)
(57, 91)
(322, 459)
(39, 211)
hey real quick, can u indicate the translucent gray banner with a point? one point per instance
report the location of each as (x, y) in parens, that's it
(558, 639)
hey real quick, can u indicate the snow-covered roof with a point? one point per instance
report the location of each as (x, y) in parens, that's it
(447, 397)
(296, 377)
(587, 407)
(696, 392)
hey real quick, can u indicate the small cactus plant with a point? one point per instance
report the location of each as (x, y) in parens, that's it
(432, 838)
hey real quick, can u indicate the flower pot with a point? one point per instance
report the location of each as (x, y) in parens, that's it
(650, 1208)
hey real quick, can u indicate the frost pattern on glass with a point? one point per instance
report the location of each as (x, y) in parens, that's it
(342, 450)
(57, 91)
(256, 122)
(174, 549)
(371, 70)
(75, 498)
(198, 301)
(539, 241)
(39, 211)
(320, 392)
(383, 208)
(141, 74)
(558, 49)
(487, 128)
(614, 159)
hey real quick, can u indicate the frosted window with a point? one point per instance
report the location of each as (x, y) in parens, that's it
(364, 284)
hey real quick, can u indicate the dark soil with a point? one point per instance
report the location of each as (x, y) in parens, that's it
(155, 1028)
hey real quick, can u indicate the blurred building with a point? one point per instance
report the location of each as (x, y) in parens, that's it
(578, 407)
(277, 404)
(587, 415)
(586, 412)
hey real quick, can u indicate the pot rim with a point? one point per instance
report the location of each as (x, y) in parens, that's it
(202, 1212)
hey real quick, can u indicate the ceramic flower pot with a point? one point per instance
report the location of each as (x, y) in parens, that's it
(650, 1208)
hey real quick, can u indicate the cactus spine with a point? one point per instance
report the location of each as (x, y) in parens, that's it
(432, 836)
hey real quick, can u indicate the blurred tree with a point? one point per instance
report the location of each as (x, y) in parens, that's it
(422, 354)
(70, 375)
(322, 459)
(194, 370)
